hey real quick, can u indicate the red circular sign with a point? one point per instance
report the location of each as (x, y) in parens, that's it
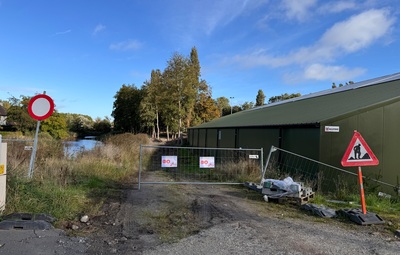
(41, 107)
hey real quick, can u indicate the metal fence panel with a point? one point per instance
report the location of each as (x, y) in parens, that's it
(18, 155)
(193, 165)
(321, 177)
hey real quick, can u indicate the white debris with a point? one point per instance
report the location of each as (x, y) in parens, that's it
(84, 219)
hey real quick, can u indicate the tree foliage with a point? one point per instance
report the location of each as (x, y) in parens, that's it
(55, 125)
(341, 84)
(283, 97)
(205, 107)
(58, 125)
(18, 116)
(152, 103)
(223, 106)
(126, 109)
(247, 105)
(174, 99)
(260, 99)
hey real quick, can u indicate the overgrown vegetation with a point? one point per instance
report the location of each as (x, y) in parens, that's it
(342, 192)
(67, 187)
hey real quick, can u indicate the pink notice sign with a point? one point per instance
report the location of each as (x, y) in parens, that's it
(207, 162)
(169, 161)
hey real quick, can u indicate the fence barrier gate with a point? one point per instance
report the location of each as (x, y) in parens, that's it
(194, 165)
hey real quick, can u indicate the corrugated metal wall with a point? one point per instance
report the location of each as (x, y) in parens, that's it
(227, 138)
(380, 128)
(256, 138)
(379, 125)
(301, 140)
(390, 156)
(212, 138)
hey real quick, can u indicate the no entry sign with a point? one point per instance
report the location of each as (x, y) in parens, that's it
(41, 107)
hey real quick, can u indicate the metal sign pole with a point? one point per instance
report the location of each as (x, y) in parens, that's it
(0, 143)
(360, 181)
(33, 156)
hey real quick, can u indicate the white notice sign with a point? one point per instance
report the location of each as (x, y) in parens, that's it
(332, 129)
(169, 161)
(207, 162)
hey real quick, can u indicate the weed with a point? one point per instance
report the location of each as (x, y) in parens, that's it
(66, 187)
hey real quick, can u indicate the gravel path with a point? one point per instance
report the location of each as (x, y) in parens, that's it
(231, 220)
(279, 237)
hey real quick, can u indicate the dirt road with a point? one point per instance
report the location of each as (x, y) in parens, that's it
(184, 219)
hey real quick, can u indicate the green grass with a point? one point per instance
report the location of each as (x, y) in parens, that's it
(67, 188)
(45, 197)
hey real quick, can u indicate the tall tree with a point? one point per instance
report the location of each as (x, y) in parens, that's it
(260, 99)
(179, 92)
(223, 106)
(18, 116)
(152, 102)
(195, 86)
(126, 109)
(206, 108)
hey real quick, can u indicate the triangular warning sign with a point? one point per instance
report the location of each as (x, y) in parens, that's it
(358, 153)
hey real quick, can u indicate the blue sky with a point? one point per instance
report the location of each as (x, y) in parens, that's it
(81, 52)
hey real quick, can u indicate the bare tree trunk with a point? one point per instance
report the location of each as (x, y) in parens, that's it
(167, 133)
(158, 126)
(180, 120)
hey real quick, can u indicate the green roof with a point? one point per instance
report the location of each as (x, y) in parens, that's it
(317, 107)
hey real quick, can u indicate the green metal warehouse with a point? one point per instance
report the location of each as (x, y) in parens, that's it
(319, 125)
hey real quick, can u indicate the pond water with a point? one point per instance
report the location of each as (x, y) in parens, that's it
(71, 148)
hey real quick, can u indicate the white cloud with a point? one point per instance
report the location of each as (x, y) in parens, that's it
(354, 34)
(337, 6)
(298, 9)
(63, 32)
(98, 29)
(314, 62)
(126, 45)
(191, 19)
(334, 73)
(358, 32)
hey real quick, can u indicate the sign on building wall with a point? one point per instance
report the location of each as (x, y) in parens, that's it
(332, 129)
(207, 162)
(169, 161)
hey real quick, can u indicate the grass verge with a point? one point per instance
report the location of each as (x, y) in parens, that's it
(67, 188)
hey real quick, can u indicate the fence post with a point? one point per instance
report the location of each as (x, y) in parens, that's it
(273, 149)
(3, 174)
(140, 166)
(262, 161)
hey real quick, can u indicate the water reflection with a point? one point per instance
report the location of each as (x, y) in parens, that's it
(72, 148)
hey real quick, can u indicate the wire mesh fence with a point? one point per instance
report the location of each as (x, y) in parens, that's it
(321, 177)
(193, 165)
(18, 155)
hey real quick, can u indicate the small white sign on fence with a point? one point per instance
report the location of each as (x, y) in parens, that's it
(169, 161)
(207, 162)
